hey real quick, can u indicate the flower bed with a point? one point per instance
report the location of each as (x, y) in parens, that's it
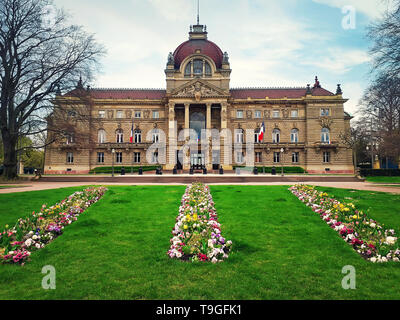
(197, 233)
(370, 239)
(39, 229)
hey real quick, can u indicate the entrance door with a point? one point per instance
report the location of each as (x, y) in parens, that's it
(215, 159)
(197, 161)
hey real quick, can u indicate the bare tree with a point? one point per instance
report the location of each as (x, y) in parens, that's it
(381, 110)
(385, 34)
(40, 56)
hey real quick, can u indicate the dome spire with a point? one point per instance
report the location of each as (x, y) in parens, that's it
(198, 12)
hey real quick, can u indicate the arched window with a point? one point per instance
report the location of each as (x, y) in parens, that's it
(156, 136)
(188, 69)
(120, 136)
(138, 136)
(102, 136)
(200, 68)
(276, 136)
(294, 136)
(239, 136)
(325, 135)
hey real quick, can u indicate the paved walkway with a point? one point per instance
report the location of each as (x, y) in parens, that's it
(32, 186)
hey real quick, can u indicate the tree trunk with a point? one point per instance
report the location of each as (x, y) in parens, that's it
(10, 159)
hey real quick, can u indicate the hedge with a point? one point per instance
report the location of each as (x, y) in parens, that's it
(278, 169)
(379, 172)
(117, 169)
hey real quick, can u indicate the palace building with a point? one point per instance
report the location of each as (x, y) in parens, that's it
(303, 126)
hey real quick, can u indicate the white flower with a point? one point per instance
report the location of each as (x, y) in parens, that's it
(214, 260)
(178, 254)
(373, 259)
(391, 240)
(28, 242)
(373, 225)
(34, 237)
(210, 243)
(37, 245)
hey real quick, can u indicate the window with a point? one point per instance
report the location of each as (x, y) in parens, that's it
(275, 114)
(70, 138)
(154, 157)
(325, 135)
(198, 67)
(156, 136)
(256, 140)
(294, 136)
(156, 115)
(70, 157)
(276, 136)
(295, 157)
(120, 114)
(138, 114)
(258, 157)
(188, 69)
(136, 157)
(239, 157)
(277, 157)
(326, 157)
(138, 136)
(294, 113)
(239, 114)
(102, 114)
(118, 156)
(100, 157)
(120, 136)
(257, 114)
(239, 136)
(102, 136)
(325, 112)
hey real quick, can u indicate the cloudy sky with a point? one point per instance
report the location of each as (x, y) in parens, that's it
(271, 43)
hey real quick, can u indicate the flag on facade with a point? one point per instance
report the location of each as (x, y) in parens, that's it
(131, 138)
(261, 132)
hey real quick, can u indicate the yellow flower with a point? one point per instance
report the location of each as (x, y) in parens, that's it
(355, 216)
(185, 227)
(195, 217)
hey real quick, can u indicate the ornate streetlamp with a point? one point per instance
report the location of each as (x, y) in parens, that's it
(282, 150)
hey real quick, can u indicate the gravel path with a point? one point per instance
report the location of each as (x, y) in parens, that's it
(33, 186)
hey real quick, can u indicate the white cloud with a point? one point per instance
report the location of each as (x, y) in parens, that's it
(338, 60)
(371, 8)
(179, 10)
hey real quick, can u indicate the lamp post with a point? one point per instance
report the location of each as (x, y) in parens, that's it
(282, 161)
(113, 154)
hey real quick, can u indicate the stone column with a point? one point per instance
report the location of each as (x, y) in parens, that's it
(209, 140)
(172, 137)
(208, 116)
(224, 125)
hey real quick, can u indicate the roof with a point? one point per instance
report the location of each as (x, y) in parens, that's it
(276, 93)
(237, 93)
(206, 47)
(104, 93)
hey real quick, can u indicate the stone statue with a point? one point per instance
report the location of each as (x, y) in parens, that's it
(171, 59)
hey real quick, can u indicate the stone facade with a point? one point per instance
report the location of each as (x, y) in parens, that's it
(310, 120)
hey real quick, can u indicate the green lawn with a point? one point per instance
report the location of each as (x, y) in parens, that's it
(383, 179)
(281, 249)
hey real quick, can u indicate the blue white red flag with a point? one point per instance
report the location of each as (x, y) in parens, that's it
(261, 132)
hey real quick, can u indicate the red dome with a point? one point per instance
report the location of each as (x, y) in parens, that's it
(206, 47)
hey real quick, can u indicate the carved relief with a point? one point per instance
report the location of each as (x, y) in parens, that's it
(171, 114)
(197, 90)
(110, 114)
(285, 113)
(325, 122)
(248, 114)
(146, 114)
(128, 113)
(267, 114)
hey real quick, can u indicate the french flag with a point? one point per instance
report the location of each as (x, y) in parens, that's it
(261, 132)
(131, 138)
